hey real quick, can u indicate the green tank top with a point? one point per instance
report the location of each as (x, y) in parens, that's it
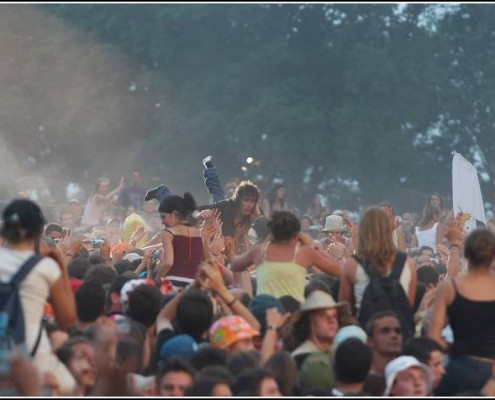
(281, 278)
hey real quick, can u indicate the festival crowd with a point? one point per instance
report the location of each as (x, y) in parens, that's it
(142, 292)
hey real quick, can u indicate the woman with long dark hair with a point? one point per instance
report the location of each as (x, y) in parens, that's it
(182, 245)
(275, 200)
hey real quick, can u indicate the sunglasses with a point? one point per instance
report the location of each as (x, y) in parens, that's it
(386, 330)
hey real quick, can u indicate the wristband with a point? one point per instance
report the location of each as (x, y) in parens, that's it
(272, 328)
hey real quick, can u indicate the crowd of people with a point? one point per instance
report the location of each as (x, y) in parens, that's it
(143, 292)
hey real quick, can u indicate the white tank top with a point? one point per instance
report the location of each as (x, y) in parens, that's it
(427, 237)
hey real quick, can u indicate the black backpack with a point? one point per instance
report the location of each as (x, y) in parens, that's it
(386, 293)
(11, 306)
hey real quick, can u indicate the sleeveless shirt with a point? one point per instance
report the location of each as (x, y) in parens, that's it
(281, 278)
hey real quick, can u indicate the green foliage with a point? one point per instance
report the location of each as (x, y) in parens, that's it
(349, 92)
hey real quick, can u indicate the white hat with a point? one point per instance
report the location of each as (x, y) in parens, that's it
(132, 257)
(334, 223)
(400, 364)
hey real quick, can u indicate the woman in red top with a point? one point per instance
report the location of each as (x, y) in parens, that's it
(183, 249)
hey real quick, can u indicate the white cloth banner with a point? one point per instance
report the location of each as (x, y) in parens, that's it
(466, 192)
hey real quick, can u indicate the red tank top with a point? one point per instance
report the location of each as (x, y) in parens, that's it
(188, 254)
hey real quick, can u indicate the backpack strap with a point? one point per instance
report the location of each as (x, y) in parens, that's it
(25, 269)
(398, 267)
(364, 264)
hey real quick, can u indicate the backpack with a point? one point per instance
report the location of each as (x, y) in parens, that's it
(386, 293)
(12, 314)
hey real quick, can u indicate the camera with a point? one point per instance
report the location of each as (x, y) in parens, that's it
(156, 254)
(97, 243)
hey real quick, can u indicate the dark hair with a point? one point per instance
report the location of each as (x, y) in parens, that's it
(129, 349)
(53, 227)
(209, 356)
(219, 372)
(370, 325)
(428, 213)
(116, 286)
(65, 351)
(435, 194)
(174, 364)
(183, 206)
(22, 219)
(122, 266)
(479, 247)
(426, 248)
(284, 368)
(194, 313)
(95, 259)
(290, 303)
(322, 282)
(352, 361)
(271, 196)
(246, 188)
(90, 301)
(102, 273)
(78, 267)
(144, 304)
(283, 226)
(203, 386)
(427, 275)
(249, 382)
(242, 360)
(421, 348)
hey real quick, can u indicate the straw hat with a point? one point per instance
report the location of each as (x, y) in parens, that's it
(317, 300)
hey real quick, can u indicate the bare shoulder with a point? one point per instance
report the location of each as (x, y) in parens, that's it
(349, 267)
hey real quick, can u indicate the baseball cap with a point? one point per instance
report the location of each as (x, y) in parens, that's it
(350, 331)
(183, 346)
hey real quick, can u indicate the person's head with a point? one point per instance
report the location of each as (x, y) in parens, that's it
(352, 361)
(334, 228)
(435, 200)
(406, 376)
(113, 297)
(429, 352)
(427, 250)
(175, 209)
(375, 241)
(233, 334)
(78, 354)
(113, 226)
(242, 360)
(384, 334)
(430, 214)
(129, 355)
(284, 226)
(183, 346)
(22, 221)
(101, 273)
(136, 177)
(256, 382)
(122, 266)
(306, 222)
(318, 318)
(246, 195)
(90, 301)
(283, 367)
(150, 206)
(277, 192)
(194, 313)
(144, 304)
(427, 275)
(78, 267)
(54, 231)
(208, 385)
(290, 304)
(174, 377)
(479, 248)
(67, 219)
(207, 356)
(102, 186)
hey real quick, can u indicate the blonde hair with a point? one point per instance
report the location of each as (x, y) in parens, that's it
(375, 242)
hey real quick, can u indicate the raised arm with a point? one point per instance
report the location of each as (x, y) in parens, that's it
(241, 262)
